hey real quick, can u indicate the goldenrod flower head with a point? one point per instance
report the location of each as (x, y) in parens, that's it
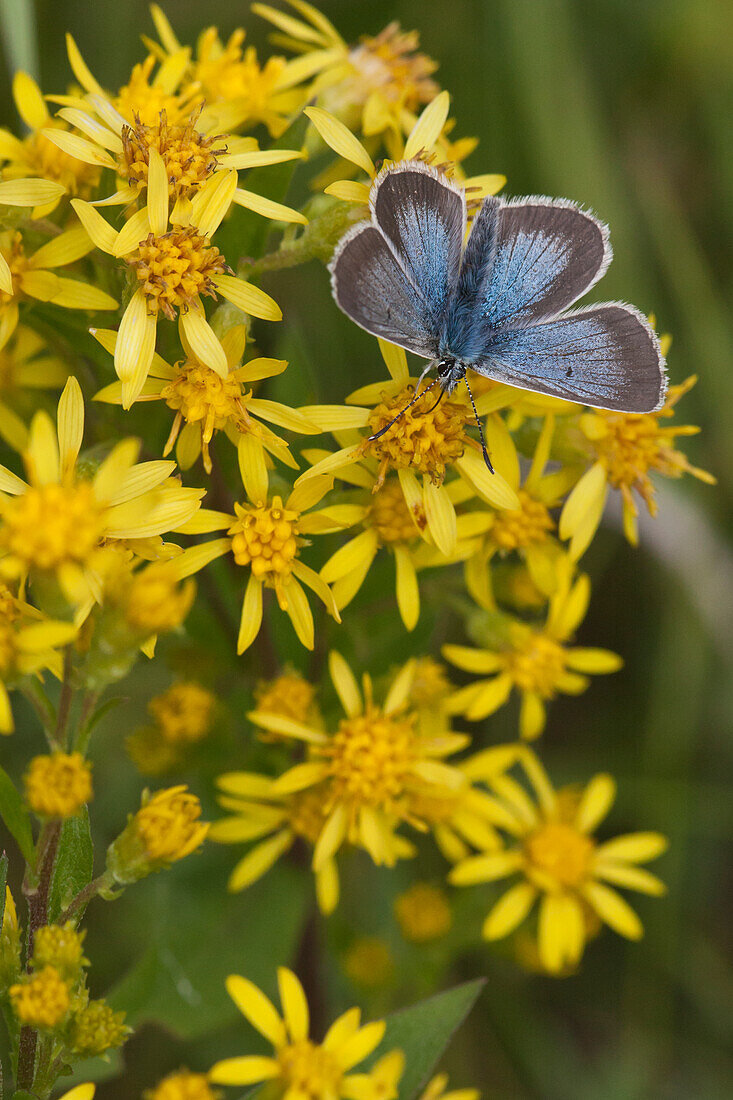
(184, 712)
(96, 1029)
(35, 155)
(154, 601)
(29, 643)
(25, 276)
(166, 828)
(369, 768)
(56, 524)
(288, 694)
(276, 820)
(626, 449)
(561, 863)
(535, 661)
(60, 946)
(436, 1090)
(369, 963)
(183, 1085)
(423, 913)
(41, 1000)
(58, 785)
(298, 1065)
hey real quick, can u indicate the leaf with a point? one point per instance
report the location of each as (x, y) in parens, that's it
(423, 1031)
(74, 864)
(16, 816)
(3, 880)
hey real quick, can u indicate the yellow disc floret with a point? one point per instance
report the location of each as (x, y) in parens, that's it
(190, 157)
(423, 913)
(174, 269)
(528, 525)
(60, 946)
(370, 757)
(183, 1085)
(58, 785)
(309, 1071)
(42, 1000)
(169, 825)
(184, 712)
(265, 537)
(96, 1029)
(536, 663)
(390, 516)
(427, 436)
(559, 853)
(51, 525)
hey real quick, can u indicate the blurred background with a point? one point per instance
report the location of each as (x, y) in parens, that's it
(625, 107)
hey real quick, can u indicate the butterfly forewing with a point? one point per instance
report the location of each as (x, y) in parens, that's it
(606, 356)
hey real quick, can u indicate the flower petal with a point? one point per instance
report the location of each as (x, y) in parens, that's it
(294, 1004)
(595, 802)
(204, 342)
(257, 1008)
(485, 868)
(340, 139)
(509, 911)
(247, 1070)
(612, 909)
(344, 682)
(250, 299)
(251, 618)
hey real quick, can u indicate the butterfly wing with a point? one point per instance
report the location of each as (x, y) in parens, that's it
(396, 276)
(606, 356)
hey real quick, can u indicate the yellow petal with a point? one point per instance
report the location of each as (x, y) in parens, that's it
(73, 294)
(6, 276)
(485, 868)
(633, 878)
(203, 340)
(502, 451)
(593, 660)
(491, 487)
(250, 299)
(361, 1045)
(282, 415)
(197, 557)
(299, 778)
(43, 453)
(29, 101)
(532, 717)
(64, 249)
(268, 208)
(493, 694)
(136, 338)
(294, 1004)
(93, 129)
(345, 684)
(481, 661)
(258, 862)
(441, 517)
(70, 420)
(428, 127)
(327, 887)
(132, 233)
(247, 1070)
(251, 618)
(633, 847)
(395, 360)
(286, 23)
(349, 191)
(335, 418)
(259, 368)
(350, 556)
(157, 193)
(252, 468)
(29, 192)
(509, 911)
(612, 909)
(81, 1092)
(210, 205)
(79, 148)
(100, 231)
(345, 457)
(80, 70)
(595, 802)
(257, 1008)
(332, 836)
(299, 613)
(340, 139)
(408, 592)
(288, 727)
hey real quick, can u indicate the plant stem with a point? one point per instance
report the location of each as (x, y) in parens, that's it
(67, 694)
(102, 882)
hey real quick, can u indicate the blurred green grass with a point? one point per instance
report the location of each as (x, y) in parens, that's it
(625, 107)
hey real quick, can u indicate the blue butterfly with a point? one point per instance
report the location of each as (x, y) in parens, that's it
(499, 306)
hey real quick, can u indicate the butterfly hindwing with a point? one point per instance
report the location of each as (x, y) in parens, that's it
(373, 289)
(606, 356)
(423, 217)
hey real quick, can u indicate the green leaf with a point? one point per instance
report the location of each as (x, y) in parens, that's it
(3, 880)
(74, 865)
(16, 816)
(423, 1031)
(18, 21)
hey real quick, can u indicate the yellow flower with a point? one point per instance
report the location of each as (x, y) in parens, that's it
(370, 768)
(174, 265)
(529, 529)
(436, 1090)
(184, 712)
(41, 1000)
(9, 942)
(153, 602)
(58, 785)
(183, 1085)
(63, 523)
(96, 1029)
(425, 141)
(428, 440)
(29, 643)
(164, 830)
(26, 363)
(205, 402)
(299, 1066)
(423, 913)
(533, 660)
(265, 535)
(80, 1092)
(288, 694)
(239, 92)
(561, 864)
(276, 821)
(626, 449)
(60, 946)
(35, 155)
(24, 276)
(369, 963)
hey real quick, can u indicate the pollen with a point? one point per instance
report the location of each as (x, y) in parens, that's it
(52, 525)
(190, 157)
(265, 537)
(200, 396)
(428, 437)
(308, 1071)
(41, 1001)
(390, 516)
(528, 525)
(560, 853)
(58, 785)
(536, 663)
(176, 268)
(370, 759)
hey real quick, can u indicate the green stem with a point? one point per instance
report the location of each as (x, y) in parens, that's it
(44, 710)
(105, 881)
(67, 695)
(84, 731)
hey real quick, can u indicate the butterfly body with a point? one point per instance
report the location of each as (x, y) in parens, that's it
(500, 305)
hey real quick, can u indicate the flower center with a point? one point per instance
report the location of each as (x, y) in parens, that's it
(143, 101)
(154, 601)
(183, 713)
(390, 516)
(631, 446)
(202, 395)
(370, 758)
(536, 664)
(288, 695)
(265, 537)
(306, 813)
(560, 852)
(190, 157)
(167, 826)
(233, 73)
(176, 268)
(429, 437)
(389, 63)
(430, 683)
(52, 525)
(526, 526)
(309, 1071)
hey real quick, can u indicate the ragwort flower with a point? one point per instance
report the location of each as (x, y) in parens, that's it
(205, 402)
(436, 1090)
(62, 524)
(41, 1000)
(183, 1085)
(165, 829)
(533, 660)
(174, 265)
(626, 448)
(561, 864)
(301, 1068)
(58, 785)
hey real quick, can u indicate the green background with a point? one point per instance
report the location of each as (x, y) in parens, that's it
(624, 106)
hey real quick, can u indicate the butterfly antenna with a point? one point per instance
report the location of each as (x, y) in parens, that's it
(487, 460)
(440, 398)
(418, 394)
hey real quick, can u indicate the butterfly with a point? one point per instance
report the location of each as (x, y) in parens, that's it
(499, 305)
